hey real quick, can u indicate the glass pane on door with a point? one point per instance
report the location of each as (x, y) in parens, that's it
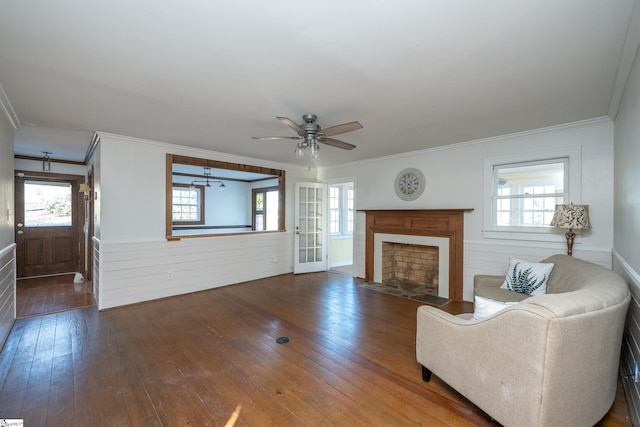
(310, 230)
(47, 204)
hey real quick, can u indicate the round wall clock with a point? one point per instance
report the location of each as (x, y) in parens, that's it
(409, 184)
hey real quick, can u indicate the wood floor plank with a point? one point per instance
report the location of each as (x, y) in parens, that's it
(51, 294)
(196, 359)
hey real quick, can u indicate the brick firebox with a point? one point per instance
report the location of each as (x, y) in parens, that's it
(415, 264)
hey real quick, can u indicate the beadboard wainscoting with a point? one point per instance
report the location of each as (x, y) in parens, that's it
(7, 291)
(96, 270)
(135, 272)
(631, 339)
(482, 257)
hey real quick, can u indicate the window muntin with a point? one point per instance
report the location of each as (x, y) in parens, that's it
(525, 194)
(188, 204)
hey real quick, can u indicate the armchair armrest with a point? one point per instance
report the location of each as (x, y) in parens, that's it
(486, 360)
(487, 281)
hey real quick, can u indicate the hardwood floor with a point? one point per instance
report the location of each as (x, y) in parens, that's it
(50, 294)
(197, 359)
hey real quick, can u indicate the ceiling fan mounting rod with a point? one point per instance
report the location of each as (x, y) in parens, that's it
(309, 118)
(310, 126)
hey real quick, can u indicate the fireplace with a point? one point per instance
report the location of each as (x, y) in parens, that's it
(442, 228)
(416, 264)
(412, 268)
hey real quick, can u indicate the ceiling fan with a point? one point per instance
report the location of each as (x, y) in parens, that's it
(310, 134)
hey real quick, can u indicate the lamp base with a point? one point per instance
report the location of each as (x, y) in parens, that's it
(570, 235)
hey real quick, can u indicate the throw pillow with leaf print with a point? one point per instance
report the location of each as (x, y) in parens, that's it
(527, 277)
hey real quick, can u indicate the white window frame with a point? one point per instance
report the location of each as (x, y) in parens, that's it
(335, 210)
(343, 210)
(573, 190)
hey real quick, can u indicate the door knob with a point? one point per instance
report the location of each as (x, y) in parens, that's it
(20, 225)
(20, 232)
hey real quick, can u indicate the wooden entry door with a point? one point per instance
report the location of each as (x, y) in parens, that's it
(48, 223)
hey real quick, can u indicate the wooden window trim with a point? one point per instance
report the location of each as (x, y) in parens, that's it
(264, 190)
(170, 159)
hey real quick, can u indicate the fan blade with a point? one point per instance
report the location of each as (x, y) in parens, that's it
(337, 143)
(345, 127)
(276, 137)
(293, 125)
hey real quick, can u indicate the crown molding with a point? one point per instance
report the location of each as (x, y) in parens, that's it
(95, 140)
(8, 109)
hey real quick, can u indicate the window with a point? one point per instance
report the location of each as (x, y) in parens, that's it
(335, 211)
(47, 204)
(521, 193)
(265, 209)
(188, 204)
(341, 209)
(525, 194)
(351, 213)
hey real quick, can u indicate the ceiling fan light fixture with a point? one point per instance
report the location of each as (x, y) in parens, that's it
(314, 150)
(310, 134)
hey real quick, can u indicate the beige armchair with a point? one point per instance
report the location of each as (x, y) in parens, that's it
(549, 360)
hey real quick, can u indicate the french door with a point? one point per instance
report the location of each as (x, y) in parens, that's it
(310, 242)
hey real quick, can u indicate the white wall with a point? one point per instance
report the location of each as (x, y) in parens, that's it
(229, 207)
(7, 237)
(340, 251)
(455, 176)
(136, 262)
(626, 236)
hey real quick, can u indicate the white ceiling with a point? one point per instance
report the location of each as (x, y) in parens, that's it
(211, 74)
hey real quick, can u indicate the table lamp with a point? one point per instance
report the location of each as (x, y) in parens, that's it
(573, 217)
